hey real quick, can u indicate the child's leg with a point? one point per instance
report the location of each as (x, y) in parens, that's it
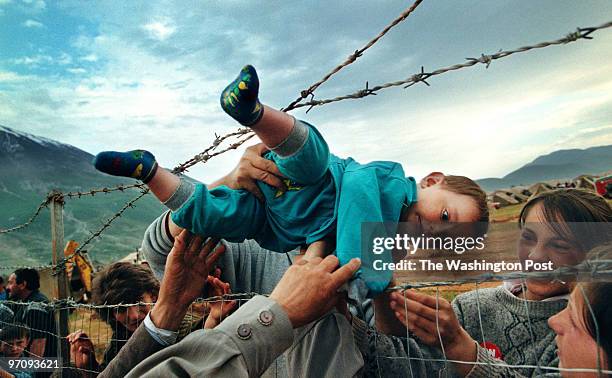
(141, 165)
(298, 149)
(240, 100)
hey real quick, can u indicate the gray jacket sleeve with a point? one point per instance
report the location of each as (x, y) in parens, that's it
(140, 346)
(241, 346)
(245, 266)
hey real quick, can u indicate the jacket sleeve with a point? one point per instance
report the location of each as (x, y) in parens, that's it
(243, 345)
(140, 346)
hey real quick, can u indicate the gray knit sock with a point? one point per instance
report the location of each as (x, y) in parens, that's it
(294, 141)
(180, 196)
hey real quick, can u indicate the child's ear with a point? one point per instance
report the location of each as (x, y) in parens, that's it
(432, 179)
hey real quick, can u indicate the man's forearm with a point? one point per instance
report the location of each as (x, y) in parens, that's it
(244, 344)
(168, 315)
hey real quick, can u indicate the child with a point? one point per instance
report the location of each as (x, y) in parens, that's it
(326, 194)
(14, 340)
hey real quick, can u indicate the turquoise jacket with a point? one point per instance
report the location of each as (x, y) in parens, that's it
(325, 194)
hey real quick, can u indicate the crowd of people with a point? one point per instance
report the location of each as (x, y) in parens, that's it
(287, 222)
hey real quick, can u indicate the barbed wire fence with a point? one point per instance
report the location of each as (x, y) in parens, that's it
(86, 313)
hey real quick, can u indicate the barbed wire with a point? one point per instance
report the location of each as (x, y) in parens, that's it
(88, 193)
(353, 57)
(105, 190)
(41, 206)
(580, 33)
(207, 154)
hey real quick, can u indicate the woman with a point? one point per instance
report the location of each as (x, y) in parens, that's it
(586, 322)
(492, 325)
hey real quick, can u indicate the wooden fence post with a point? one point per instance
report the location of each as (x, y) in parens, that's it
(60, 290)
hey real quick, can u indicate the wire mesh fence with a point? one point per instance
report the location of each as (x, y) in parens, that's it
(36, 329)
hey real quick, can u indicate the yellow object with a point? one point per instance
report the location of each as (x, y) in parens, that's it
(242, 85)
(138, 171)
(85, 269)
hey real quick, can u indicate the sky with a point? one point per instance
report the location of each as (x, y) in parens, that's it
(116, 75)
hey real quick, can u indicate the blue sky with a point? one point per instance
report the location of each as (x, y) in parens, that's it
(124, 75)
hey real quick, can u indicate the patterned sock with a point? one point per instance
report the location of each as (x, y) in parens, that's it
(138, 164)
(239, 98)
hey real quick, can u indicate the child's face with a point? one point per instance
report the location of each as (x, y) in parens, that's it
(571, 330)
(13, 348)
(437, 208)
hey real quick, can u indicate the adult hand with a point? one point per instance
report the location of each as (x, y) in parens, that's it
(187, 268)
(420, 319)
(82, 350)
(309, 288)
(253, 167)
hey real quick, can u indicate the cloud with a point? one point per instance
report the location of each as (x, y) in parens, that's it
(64, 59)
(160, 29)
(33, 24)
(7, 76)
(37, 5)
(34, 60)
(89, 58)
(77, 70)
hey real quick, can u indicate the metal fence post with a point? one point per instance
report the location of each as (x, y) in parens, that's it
(60, 290)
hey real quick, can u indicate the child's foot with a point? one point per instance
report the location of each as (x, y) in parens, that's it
(138, 164)
(239, 98)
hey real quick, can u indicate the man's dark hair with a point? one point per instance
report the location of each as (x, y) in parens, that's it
(30, 276)
(122, 283)
(1, 280)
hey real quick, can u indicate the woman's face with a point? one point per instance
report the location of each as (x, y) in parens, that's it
(539, 242)
(571, 330)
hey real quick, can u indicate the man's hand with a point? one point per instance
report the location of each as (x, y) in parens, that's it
(423, 311)
(252, 167)
(187, 269)
(309, 288)
(82, 351)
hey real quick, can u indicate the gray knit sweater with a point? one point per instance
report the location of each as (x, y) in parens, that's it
(518, 327)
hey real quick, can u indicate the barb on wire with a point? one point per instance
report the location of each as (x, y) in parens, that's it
(42, 205)
(353, 57)
(420, 77)
(62, 263)
(93, 192)
(208, 154)
(582, 33)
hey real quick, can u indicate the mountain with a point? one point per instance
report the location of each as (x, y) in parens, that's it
(33, 166)
(558, 165)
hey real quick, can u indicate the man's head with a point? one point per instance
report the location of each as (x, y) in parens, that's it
(14, 340)
(22, 283)
(443, 200)
(125, 283)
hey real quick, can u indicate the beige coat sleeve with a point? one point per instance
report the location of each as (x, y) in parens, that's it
(243, 345)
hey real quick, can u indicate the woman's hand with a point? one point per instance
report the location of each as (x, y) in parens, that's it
(432, 320)
(82, 350)
(219, 309)
(253, 167)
